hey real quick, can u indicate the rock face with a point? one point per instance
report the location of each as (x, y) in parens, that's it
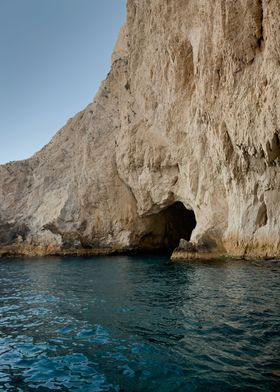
(181, 141)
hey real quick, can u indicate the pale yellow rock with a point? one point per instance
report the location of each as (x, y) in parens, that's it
(189, 113)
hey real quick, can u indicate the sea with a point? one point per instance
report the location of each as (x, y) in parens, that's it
(139, 323)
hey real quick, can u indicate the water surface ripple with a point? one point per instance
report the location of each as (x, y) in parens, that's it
(139, 324)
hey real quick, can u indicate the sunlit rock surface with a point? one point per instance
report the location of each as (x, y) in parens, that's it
(188, 116)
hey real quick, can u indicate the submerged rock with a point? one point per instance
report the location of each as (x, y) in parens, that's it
(188, 114)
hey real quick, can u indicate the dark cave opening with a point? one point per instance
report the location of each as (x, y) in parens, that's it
(179, 223)
(165, 229)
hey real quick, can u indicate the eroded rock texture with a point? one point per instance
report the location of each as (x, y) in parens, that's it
(189, 116)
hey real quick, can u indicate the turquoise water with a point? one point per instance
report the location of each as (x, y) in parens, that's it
(139, 324)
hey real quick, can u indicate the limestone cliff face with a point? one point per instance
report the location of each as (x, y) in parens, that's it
(189, 115)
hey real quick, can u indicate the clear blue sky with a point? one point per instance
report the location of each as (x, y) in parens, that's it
(53, 56)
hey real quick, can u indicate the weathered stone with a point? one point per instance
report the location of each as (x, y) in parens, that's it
(189, 113)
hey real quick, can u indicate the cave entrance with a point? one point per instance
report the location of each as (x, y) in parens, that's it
(179, 223)
(165, 229)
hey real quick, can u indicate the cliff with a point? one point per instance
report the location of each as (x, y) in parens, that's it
(181, 141)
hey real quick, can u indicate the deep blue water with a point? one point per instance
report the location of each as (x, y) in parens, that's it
(139, 324)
